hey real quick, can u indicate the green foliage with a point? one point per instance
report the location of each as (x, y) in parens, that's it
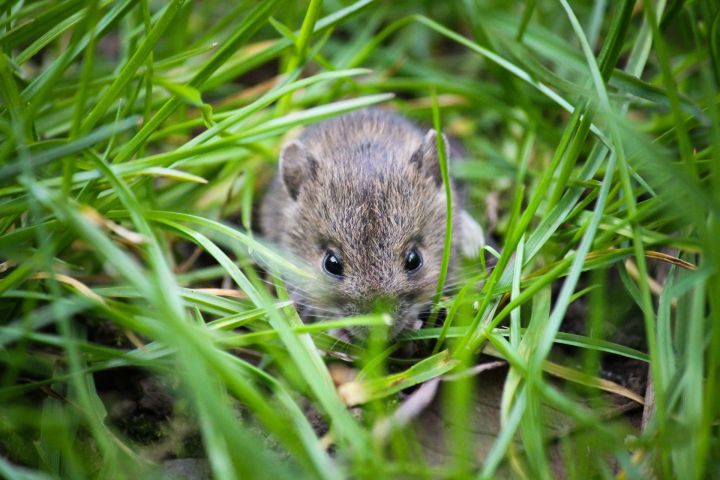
(137, 136)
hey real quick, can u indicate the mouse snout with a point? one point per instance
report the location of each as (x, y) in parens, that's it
(402, 314)
(377, 303)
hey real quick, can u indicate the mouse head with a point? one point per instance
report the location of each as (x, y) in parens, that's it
(370, 219)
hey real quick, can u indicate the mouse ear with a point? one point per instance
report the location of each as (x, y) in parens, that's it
(472, 237)
(297, 166)
(426, 156)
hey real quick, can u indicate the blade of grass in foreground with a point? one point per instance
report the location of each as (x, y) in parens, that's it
(361, 391)
(244, 31)
(216, 418)
(300, 347)
(442, 158)
(141, 223)
(128, 71)
(301, 47)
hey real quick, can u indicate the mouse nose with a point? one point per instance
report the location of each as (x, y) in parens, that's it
(379, 303)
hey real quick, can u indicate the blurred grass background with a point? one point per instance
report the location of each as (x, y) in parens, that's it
(136, 137)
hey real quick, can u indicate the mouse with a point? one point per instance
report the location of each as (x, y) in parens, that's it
(360, 200)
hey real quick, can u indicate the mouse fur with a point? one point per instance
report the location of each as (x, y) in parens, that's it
(366, 187)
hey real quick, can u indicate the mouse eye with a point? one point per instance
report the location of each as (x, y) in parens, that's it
(413, 260)
(332, 264)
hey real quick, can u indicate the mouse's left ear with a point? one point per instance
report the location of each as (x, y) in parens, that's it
(426, 157)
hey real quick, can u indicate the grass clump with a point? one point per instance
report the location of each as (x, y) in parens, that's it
(136, 327)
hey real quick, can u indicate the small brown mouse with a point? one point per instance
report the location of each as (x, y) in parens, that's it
(360, 199)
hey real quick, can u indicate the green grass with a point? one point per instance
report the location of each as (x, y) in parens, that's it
(136, 138)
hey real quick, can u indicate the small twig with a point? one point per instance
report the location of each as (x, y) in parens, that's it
(476, 370)
(73, 282)
(190, 261)
(222, 292)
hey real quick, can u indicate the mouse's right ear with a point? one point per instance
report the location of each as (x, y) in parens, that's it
(297, 166)
(426, 157)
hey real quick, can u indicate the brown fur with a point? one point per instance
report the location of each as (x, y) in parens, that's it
(366, 185)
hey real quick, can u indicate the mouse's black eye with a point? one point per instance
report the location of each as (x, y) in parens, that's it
(413, 260)
(332, 264)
